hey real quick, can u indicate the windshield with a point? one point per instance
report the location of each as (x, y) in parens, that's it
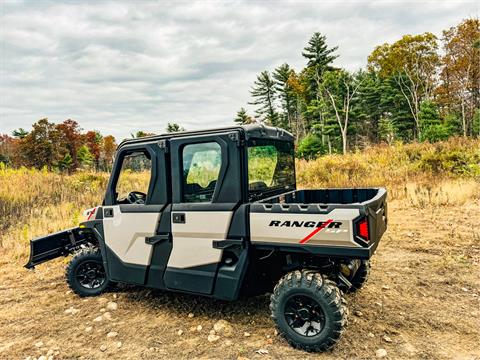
(271, 168)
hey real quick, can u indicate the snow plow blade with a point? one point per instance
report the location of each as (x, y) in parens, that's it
(54, 245)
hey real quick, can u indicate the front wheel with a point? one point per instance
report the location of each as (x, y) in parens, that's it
(86, 274)
(308, 310)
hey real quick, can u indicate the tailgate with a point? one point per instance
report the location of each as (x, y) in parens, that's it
(54, 245)
(376, 211)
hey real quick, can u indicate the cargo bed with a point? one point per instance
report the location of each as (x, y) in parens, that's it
(326, 219)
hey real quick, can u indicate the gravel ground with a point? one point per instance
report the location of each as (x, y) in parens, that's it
(421, 302)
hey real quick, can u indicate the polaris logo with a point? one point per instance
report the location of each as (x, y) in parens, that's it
(309, 224)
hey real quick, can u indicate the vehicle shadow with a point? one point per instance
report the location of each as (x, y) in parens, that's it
(182, 304)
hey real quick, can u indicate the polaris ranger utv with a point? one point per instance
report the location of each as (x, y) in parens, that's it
(217, 213)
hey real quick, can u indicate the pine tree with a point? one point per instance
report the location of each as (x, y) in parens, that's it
(286, 93)
(263, 92)
(431, 127)
(386, 130)
(84, 156)
(66, 163)
(174, 127)
(243, 118)
(141, 133)
(395, 108)
(319, 58)
(19, 133)
(367, 112)
(412, 63)
(318, 54)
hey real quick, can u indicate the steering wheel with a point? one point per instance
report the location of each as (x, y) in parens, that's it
(136, 197)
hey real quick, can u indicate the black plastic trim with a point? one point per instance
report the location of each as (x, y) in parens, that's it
(204, 207)
(96, 227)
(124, 272)
(140, 208)
(99, 213)
(227, 244)
(198, 279)
(161, 250)
(327, 251)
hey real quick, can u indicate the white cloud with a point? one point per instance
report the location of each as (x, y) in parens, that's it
(121, 67)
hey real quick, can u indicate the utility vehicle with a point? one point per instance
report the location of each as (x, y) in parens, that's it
(217, 213)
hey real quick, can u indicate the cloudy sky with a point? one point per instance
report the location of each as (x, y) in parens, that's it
(120, 67)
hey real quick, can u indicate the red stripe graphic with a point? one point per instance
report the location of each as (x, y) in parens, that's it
(91, 213)
(317, 230)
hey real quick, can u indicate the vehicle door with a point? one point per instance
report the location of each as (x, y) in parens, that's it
(206, 190)
(135, 199)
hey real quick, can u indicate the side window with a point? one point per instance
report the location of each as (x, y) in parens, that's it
(201, 168)
(134, 178)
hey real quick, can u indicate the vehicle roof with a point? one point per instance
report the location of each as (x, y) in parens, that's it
(250, 131)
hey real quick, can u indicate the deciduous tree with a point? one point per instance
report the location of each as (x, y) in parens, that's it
(412, 62)
(9, 150)
(43, 146)
(93, 141)
(460, 75)
(108, 150)
(339, 89)
(72, 140)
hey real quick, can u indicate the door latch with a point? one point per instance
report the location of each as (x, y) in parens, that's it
(178, 218)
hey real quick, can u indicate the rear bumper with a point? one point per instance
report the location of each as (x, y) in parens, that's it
(54, 245)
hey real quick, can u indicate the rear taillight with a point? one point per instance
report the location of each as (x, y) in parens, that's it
(362, 229)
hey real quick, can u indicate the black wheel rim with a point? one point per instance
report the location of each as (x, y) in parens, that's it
(90, 274)
(304, 315)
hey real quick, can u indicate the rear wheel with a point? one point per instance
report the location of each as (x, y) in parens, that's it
(308, 310)
(360, 277)
(86, 274)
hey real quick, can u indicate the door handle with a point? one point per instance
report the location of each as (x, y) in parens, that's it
(152, 240)
(107, 212)
(178, 218)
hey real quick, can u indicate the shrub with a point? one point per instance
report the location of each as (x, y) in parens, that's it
(310, 147)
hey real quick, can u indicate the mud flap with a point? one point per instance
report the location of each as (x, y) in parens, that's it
(55, 245)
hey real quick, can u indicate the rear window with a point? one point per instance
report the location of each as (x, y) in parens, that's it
(271, 168)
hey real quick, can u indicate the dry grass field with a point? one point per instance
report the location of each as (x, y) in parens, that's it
(422, 300)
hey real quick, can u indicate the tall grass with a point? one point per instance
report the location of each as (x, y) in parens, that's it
(36, 202)
(394, 166)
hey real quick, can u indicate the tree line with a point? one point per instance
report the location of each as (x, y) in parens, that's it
(62, 147)
(420, 88)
